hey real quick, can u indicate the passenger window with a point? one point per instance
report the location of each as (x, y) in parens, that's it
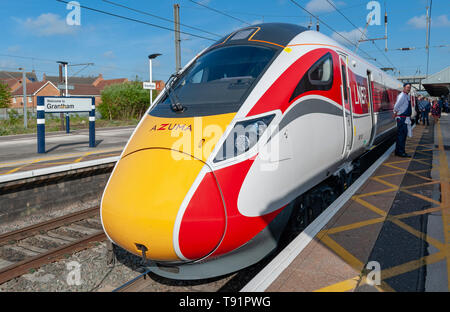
(318, 77)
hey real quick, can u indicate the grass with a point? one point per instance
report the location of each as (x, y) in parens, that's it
(15, 125)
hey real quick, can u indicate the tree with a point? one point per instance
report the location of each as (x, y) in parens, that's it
(5, 95)
(124, 101)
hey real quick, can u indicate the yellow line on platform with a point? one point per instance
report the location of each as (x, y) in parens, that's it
(2, 165)
(416, 213)
(20, 167)
(355, 225)
(341, 286)
(375, 193)
(343, 253)
(421, 197)
(418, 234)
(411, 265)
(445, 197)
(371, 207)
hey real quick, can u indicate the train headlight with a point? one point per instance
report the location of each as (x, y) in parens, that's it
(243, 137)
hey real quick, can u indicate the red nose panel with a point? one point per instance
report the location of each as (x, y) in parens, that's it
(203, 223)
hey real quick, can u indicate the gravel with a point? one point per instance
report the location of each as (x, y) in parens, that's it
(94, 273)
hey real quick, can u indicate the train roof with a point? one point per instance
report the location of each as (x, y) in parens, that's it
(274, 34)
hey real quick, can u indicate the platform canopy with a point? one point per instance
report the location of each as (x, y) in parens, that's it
(438, 84)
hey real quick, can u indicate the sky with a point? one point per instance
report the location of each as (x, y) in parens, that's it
(37, 33)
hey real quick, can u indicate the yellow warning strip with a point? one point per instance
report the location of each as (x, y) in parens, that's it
(2, 165)
(371, 207)
(393, 186)
(397, 173)
(416, 213)
(418, 234)
(84, 155)
(411, 265)
(421, 197)
(343, 253)
(375, 193)
(445, 197)
(355, 225)
(343, 286)
(20, 167)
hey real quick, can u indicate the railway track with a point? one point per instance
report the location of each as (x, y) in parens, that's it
(33, 246)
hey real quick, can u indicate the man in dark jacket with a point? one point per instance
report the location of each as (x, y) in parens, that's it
(424, 107)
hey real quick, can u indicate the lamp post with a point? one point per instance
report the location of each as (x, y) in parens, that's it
(24, 97)
(150, 58)
(66, 94)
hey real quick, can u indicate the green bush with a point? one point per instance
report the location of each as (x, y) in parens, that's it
(13, 116)
(124, 101)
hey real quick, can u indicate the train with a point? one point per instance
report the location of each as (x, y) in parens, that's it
(212, 175)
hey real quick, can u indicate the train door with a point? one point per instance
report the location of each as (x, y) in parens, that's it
(347, 106)
(372, 114)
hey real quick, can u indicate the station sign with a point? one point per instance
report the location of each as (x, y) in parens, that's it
(67, 104)
(63, 87)
(149, 85)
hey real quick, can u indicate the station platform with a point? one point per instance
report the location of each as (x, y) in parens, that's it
(397, 223)
(18, 153)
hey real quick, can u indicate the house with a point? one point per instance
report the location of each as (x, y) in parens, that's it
(78, 80)
(12, 83)
(101, 84)
(34, 89)
(31, 76)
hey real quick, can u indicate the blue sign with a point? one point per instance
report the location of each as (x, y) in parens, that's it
(57, 104)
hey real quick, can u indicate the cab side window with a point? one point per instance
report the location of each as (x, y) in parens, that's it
(318, 77)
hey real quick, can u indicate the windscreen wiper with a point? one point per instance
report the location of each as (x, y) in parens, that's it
(174, 101)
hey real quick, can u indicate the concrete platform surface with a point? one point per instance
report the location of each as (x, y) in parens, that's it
(19, 153)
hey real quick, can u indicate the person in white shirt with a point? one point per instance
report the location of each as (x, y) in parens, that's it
(402, 113)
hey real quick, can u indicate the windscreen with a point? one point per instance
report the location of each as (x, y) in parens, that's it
(217, 82)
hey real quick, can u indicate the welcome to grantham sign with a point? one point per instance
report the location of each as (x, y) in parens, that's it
(55, 104)
(65, 105)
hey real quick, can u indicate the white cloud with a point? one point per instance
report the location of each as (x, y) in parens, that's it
(420, 22)
(353, 35)
(13, 49)
(109, 54)
(47, 24)
(320, 6)
(440, 21)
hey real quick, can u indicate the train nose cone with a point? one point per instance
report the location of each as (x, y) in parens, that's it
(142, 199)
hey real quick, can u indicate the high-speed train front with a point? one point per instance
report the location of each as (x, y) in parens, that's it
(191, 187)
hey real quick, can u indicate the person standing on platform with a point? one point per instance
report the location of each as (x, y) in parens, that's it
(402, 113)
(424, 107)
(417, 109)
(435, 111)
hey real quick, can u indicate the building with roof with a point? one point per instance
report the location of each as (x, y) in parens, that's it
(438, 84)
(34, 89)
(31, 77)
(101, 84)
(78, 80)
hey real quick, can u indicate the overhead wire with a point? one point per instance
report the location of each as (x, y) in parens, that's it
(356, 27)
(160, 17)
(220, 12)
(138, 21)
(332, 29)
